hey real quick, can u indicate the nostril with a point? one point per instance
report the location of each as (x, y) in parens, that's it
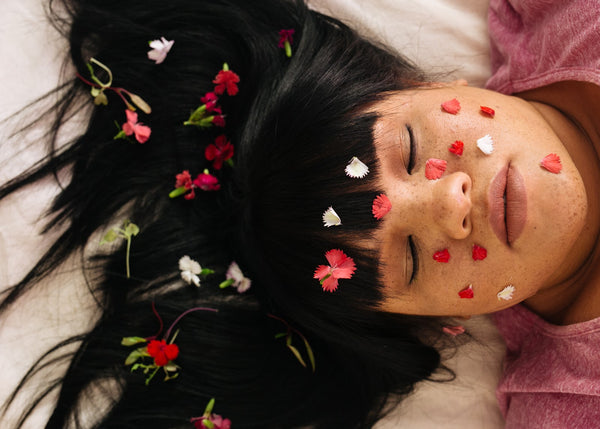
(464, 223)
(464, 188)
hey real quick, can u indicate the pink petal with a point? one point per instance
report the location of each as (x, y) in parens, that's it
(322, 271)
(552, 163)
(128, 128)
(434, 168)
(381, 206)
(466, 293)
(451, 106)
(132, 117)
(142, 133)
(330, 285)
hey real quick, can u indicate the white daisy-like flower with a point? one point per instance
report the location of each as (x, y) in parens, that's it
(160, 49)
(506, 293)
(486, 144)
(190, 270)
(356, 168)
(241, 283)
(331, 218)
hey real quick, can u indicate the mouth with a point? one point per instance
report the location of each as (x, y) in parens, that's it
(508, 205)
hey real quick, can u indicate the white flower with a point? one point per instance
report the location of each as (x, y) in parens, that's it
(331, 218)
(486, 144)
(190, 270)
(241, 283)
(506, 293)
(356, 168)
(160, 49)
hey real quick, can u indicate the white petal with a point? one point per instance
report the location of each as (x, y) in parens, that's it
(331, 218)
(160, 49)
(234, 272)
(356, 168)
(486, 144)
(244, 285)
(506, 293)
(188, 264)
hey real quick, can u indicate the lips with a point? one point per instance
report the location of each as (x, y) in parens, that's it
(508, 205)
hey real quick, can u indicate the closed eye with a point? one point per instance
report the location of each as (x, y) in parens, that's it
(415, 258)
(413, 150)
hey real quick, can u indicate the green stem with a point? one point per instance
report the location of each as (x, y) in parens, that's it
(127, 255)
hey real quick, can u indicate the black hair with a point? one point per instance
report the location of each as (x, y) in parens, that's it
(295, 124)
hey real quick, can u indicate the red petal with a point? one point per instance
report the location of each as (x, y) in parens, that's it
(142, 133)
(457, 147)
(488, 111)
(479, 253)
(330, 285)
(160, 360)
(171, 351)
(132, 117)
(210, 152)
(322, 271)
(466, 293)
(451, 106)
(153, 347)
(335, 257)
(552, 163)
(434, 168)
(381, 206)
(453, 330)
(442, 256)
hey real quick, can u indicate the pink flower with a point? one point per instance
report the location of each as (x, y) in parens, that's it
(340, 266)
(142, 132)
(285, 36)
(219, 151)
(218, 120)
(184, 179)
(207, 182)
(160, 49)
(210, 99)
(162, 352)
(226, 81)
(381, 206)
(217, 421)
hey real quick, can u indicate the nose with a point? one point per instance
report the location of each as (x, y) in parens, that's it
(451, 205)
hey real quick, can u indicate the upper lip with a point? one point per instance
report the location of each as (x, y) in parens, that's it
(508, 204)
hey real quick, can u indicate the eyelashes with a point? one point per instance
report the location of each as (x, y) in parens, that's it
(415, 258)
(413, 150)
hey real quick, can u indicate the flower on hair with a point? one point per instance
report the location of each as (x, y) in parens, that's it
(507, 293)
(466, 293)
(184, 185)
(209, 420)
(226, 81)
(434, 168)
(235, 278)
(133, 127)
(457, 148)
(285, 41)
(162, 354)
(381, 206)
(451, 106)
(206, 182)
(488, 111)
(552, 163)
(331, 218)
(356, 168)
(191, 270)
(442, 256)
(453, 330)
(486, 144)
(160, 49)
(219, 152)
(340, 266)
(183, 181)
(479, 253)
(210, 101)
(127, 231)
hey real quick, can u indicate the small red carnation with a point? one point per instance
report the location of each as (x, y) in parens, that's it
(479, 253)
(457, 148)
(285, 36)
(381, 206)
(219, 151)
(442, 256)
(184, 179)
(488, 111)
(207, 182)
(226, 81)
(340, 266)
(162, 352)
(210, 100)
(218, 120)
(451, 106)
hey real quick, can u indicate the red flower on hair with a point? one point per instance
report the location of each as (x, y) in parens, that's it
(184, 179)
(210, 99)
(381, 206)
(226, 81)
(219, 151)
(142, 132)
(218, 120)
(207, 182)
(285, 36)
(340, 266)
(162, 352)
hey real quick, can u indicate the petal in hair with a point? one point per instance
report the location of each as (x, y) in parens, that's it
(434, 168)
(506, 293)
(552, 163)
(331, 218)
(340, 266)
(451, 106)
(486, 144)
(356, 168)
(466, 293)
(381, 206)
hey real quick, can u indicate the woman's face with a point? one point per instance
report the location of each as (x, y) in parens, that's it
(527, 219)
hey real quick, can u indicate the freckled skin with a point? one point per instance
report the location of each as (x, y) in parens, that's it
(452, 212)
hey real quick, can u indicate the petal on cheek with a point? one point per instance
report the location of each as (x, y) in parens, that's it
(466, 293)
(442, 256)
(457, 148)
(451, 106)
(552, 163)
(434, 168)
(479, 253)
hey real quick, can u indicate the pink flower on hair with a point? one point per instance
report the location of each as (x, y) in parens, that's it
(219, 151)
(340, 266)
(142, 132)
(210, 99)
(381, 206)
(216, 422)
(184, 179)
(160, 49)
(162, 352)
(285, 36)
(226, 81)
(207, 182)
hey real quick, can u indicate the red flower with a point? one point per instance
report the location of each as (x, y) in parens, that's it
(457, 148)
(184, 179)
(479, 253)
(285, 36)
(207, 182)
(451, 106)
(434, 168)
(552, 163)
(162, 352)
(142, 132)
(218, 120)
(217, 421)
(488, 111)
(210, 99)
(219, 151)
(226, 81)
(340, 266)
(381, 206)
(442, 256)
(466, 293)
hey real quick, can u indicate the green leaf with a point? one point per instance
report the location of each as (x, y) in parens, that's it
(131, 229)
(139, 102)
(130, 341)
(109, 237)
(133, 357)
(297, 354)
(280, 335)
(310, 354)
(226, 283)
(209, 407)
(177, 192)
(206, 271)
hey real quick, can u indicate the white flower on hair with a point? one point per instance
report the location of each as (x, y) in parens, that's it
(486, 144)
(190, 270)
(160, 49)
(331, 218)
(234, 273)
(356, 168)
(506, 293)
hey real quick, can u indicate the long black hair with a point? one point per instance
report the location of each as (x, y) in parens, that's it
(295, 124)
